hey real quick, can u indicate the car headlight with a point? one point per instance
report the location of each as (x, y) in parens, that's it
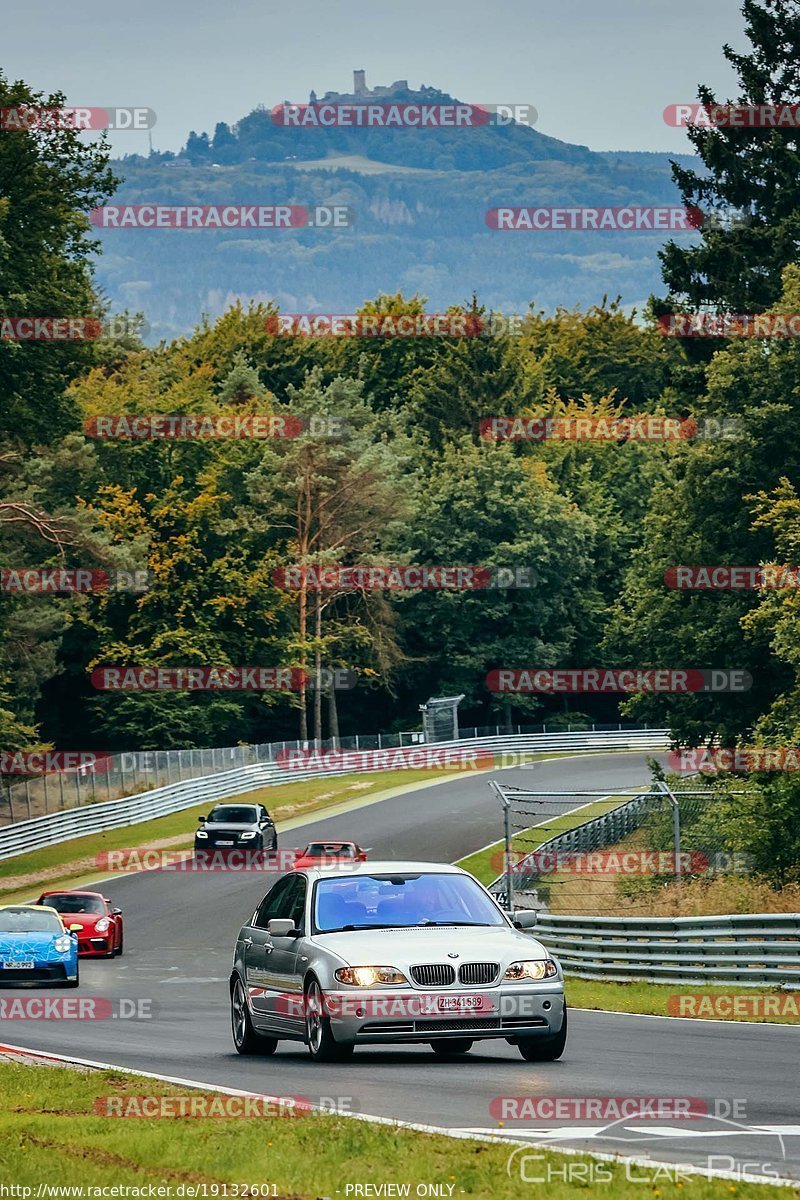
(537, 968)
(102, 925)
(201, 833)
(369, 976)
(246, 837)
(63, 943)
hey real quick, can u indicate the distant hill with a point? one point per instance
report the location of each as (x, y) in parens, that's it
(420, 198)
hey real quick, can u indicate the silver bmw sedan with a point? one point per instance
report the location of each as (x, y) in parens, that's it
(386, 952)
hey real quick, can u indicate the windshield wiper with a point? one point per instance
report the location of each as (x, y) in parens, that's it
(417, 925)
(349, 928)
(428, 924)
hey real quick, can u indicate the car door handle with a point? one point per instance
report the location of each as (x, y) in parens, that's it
(247, 941)
(268, 948)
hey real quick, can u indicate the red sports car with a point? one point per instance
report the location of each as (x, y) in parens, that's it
(321, 854)
(90, 915)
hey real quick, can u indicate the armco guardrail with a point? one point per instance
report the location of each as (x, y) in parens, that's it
(751, 950)
(133, 810)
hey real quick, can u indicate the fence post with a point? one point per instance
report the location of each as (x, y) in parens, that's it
(676, 828)
(507, 840)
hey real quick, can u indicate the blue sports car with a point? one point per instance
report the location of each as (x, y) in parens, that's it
(35, 947)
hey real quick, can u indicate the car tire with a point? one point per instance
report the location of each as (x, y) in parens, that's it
(121, 945)
(451, 1047)
(274, 842)
(545, 1049)
(73, 983)
(322, 1045)
(245, 1038)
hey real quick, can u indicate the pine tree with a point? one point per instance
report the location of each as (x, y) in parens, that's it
(241, 383)
(754, 172)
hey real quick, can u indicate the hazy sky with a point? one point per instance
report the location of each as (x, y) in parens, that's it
(599, 74)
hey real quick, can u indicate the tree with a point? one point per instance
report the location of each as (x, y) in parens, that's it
(333, 500)
(49, 182)
(703, 515)
(751, 171)
(198, 149)
(484, 506)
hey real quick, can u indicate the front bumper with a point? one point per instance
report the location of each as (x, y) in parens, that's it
(95, 946)
(44, 972)
(410, 1015)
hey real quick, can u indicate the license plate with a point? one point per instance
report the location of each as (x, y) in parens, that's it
(464, 1003)
(226, 843)
(18, 966)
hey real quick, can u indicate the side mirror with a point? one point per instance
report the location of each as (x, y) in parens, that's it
(74, 928)
(281, 927)
(525, 919)
(117, 912)
(201, 819)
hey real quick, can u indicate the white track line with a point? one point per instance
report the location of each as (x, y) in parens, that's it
(618, 1012)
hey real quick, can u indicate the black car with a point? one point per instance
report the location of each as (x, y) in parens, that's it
(243, 826)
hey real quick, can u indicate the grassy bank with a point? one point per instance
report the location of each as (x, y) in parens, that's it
(654, 999)
(487, 864)
(49, 1133)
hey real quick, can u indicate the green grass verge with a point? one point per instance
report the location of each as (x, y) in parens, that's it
(653, 999)
(487, 864)
(49, 1133)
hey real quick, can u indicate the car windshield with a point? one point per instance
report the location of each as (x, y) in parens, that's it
(28, 920)
(75, 904)
(234, 814)
(328, 849)
(404, 899)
